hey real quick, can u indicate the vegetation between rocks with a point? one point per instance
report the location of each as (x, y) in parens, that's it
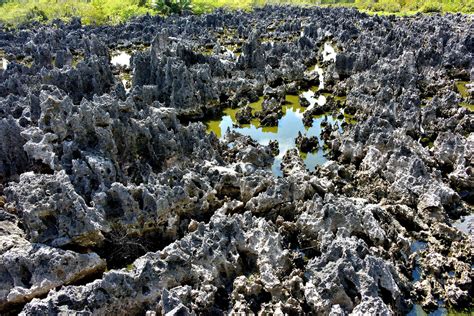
(99, 12)
(115, 198)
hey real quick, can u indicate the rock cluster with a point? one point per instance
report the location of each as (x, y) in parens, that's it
(116, 200)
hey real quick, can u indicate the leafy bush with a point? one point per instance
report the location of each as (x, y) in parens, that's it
(364, 4)
(15, 12)
(35, 14)
(468, 7)
(431, 6)
(204, 6)
(172, 6)
(387, 6)
(391, 6)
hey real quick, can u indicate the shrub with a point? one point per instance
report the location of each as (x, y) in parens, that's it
(203, 6)
(36, 14)
(364, 4)
(431, 6)
(387, 6)
(172, 6)
(468, 7)
(15, 12)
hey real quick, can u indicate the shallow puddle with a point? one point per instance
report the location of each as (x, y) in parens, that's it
(285, 132)
(310, 95)
(232, 51)
(126, 79)
(418, 245)
(329, 53)
(461, 86)
(320, 73)
(121, 58)
(291, 123)
(417, 310)
(415, 247)
(465, 224)
(416, 275)
(442, 310)
(4, 64)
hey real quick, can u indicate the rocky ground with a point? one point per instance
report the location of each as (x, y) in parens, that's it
(114, 199)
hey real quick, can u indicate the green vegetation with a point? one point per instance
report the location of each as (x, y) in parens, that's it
(413, 6)
(172, 6)
(13, 12)
(201, 6)
(385, 6)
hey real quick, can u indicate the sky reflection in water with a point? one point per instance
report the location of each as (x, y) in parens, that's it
(285, 133)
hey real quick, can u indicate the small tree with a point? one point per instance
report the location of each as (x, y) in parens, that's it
(172, 6)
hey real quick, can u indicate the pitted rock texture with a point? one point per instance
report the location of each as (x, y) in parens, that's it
(114, 199)
(29, 270)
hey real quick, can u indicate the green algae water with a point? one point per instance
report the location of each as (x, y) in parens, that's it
(291, 123)
(285, 132)
(461, 87)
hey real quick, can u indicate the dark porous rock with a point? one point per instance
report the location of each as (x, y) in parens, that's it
(270, 120)
(274, 147)
(292, 162)
(306, 144)
(107, 167)
(303, 101)
(271, 112)
(244, 115)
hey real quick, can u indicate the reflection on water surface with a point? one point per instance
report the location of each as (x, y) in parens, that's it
(285, 132)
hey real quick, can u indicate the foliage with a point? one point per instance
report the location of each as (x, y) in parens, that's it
(14, 12)
(412, 6)
(203, 6)
(387, 6)
(432, 6)
(172, 6)
(36, 14)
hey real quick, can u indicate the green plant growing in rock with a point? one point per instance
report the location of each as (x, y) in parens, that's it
(36, 14)
(387, 5)
(432, 6)
(15, 12)
(172, 6)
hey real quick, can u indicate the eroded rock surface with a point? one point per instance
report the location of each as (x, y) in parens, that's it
(106, 167)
